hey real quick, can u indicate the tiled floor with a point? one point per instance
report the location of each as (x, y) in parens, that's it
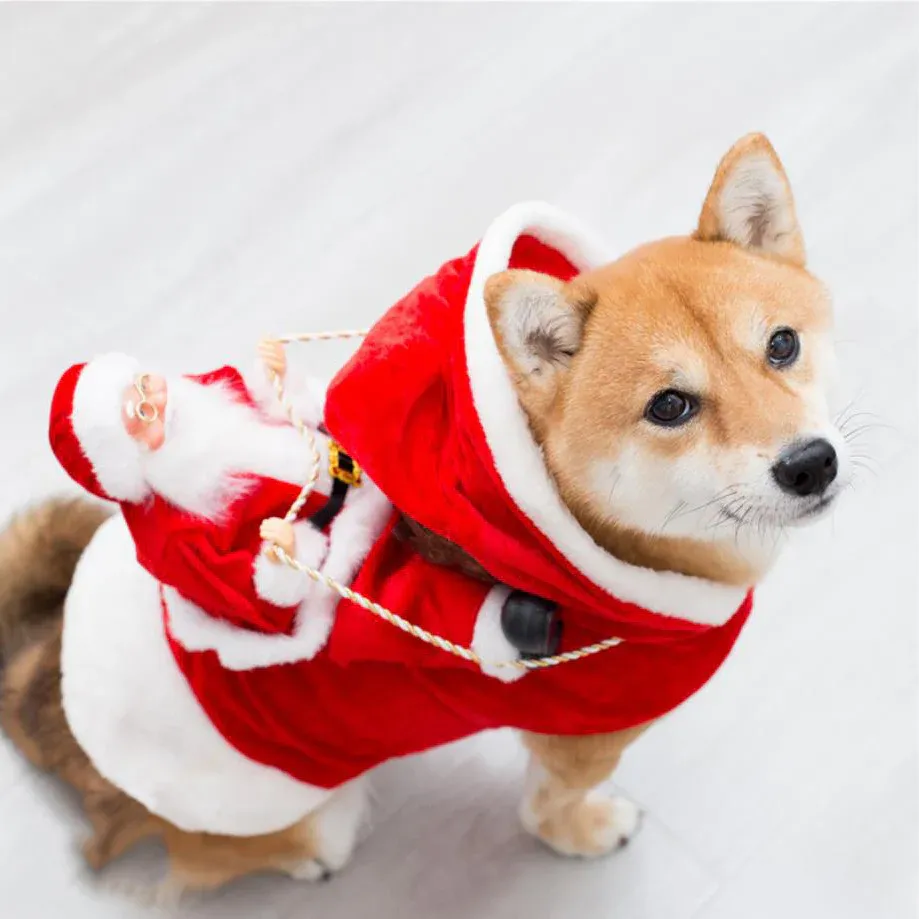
(175, 180)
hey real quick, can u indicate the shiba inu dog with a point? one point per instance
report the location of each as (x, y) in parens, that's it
(678, 399)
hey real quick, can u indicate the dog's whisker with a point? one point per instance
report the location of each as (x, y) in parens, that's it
(616, 477)
(861, 414)
(852, 403)
(863, 459)
(851, 433)
(843, 418)
(669, 518)
(860, 465)
(728, 492)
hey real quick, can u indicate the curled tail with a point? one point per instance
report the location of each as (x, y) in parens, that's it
(39, 550)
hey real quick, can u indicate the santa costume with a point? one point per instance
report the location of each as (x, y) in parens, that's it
(231, 698)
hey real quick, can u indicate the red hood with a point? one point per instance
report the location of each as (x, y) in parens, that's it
(427, 408)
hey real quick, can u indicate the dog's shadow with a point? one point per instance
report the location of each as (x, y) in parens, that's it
(444, 841)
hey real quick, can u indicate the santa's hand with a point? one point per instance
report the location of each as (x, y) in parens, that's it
(271, 352)
(144, 414)
(279, 534)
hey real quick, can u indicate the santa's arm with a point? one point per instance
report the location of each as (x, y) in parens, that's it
(276, 581)
(87, 430)
(250, 591)
(304, 394)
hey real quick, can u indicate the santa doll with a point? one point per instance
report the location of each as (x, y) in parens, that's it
(204, 469)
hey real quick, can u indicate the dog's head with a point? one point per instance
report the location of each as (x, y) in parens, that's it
(681, 392)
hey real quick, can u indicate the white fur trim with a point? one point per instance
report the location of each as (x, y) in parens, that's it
(306, 395)
(488, 640)
(212, 440)
(351, 536)
(338, 825)
(519, 461)
(285, 586)
(98, 408)
(135, 716)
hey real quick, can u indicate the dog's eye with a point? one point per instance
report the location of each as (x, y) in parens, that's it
(783, 348)
(670, 408)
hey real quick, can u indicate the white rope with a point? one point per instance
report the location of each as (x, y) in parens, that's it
(375, 608)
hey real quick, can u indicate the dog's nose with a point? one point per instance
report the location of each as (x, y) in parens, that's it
(806, 469)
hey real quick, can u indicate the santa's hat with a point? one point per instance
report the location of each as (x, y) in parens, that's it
(87, 432)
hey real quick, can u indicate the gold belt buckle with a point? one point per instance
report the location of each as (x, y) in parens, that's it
(352, 477)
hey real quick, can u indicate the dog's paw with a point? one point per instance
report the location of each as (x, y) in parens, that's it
(596, 825)
(93, 855)
(307, 869)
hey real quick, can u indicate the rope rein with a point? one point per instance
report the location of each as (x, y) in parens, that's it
(343, 591)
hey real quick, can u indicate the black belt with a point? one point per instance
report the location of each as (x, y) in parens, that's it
(345, 473)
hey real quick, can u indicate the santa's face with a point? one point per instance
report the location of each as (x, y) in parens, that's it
(144, 414)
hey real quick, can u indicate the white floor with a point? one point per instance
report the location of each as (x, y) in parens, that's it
(175, 180)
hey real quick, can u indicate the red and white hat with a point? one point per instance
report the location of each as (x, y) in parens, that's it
(86, 430)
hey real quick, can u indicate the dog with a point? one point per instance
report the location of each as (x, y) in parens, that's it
(678, 398)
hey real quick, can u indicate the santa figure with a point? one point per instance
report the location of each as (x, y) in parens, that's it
(203, 472)
(231, 694)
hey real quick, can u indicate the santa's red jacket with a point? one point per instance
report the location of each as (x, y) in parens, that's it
(427, 409)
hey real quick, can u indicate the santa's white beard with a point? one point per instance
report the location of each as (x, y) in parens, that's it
(212, 442)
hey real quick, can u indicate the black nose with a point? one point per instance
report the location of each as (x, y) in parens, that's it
(807, 468)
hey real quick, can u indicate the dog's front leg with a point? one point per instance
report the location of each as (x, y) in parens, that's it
(563, 805)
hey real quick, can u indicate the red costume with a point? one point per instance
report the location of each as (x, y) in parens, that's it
(427, 409)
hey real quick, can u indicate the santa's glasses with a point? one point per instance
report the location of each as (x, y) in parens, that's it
(144, 410)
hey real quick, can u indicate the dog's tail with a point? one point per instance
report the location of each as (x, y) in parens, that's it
(39, 550)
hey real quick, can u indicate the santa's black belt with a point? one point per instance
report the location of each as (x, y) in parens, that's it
(345, 473)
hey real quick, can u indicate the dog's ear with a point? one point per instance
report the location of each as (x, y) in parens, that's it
(750, 202)
(538, 322)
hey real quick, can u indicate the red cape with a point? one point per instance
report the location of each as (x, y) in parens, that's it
(426, 407)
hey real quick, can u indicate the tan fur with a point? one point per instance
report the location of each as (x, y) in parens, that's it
(580, 763)
(678, 291)
(201, 861)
